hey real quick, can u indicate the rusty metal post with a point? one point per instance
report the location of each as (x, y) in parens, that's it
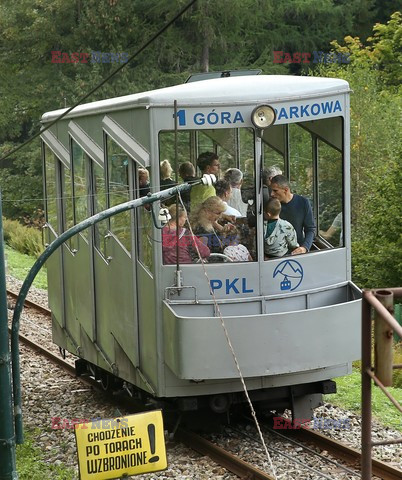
(366, 390)
(383, 333)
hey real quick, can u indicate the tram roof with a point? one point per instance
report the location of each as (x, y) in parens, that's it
(229, 90)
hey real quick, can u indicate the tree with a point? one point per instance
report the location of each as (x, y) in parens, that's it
(376, 105)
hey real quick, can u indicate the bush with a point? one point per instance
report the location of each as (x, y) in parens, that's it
(25, 240)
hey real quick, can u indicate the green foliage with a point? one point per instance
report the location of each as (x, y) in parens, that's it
(26, 240)
(375, 154)
(31, 466)
(21, 183)
(349, 396)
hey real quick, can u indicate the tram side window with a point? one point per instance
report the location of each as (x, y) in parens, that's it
(51, 188)
(274, 144)
(68, 211)
(330, 194)
(81, 190)
(301, 162)
(144, 219)
(235, 151)
(119, 191)
(184, 152)
(99, 204)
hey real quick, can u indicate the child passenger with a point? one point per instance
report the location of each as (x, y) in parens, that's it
(235, 250)
(174, 233)
(279, 235)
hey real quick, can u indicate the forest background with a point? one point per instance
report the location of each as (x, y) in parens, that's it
(213, 35)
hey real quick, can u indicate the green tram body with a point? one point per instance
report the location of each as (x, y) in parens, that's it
(293, 326)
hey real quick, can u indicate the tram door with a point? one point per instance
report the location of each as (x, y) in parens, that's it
(114, 283)
(52, 168)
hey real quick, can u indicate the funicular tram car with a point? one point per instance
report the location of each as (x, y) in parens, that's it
(293, 321)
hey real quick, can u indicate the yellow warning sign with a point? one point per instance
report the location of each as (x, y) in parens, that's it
(111, 448)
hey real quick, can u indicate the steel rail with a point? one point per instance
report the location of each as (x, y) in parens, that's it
(226, 459)
(30, 303)
(340, 450)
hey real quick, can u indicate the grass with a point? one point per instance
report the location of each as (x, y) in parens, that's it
(349, 395)
(31, 465)
(18, 265)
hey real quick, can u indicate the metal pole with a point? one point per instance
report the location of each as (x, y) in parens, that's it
(8, 469)
(383, 340)
(39, 263)
(366, 390)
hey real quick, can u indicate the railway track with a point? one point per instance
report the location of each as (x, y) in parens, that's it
(219, 455)
(339, 450)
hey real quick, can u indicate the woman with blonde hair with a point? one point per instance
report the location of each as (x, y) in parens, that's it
(205, 224)
(166, 171)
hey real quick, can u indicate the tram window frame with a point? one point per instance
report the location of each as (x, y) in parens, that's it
(77, 199)
(123, 236)
(67, 202)
(206, 140)
(144, 225)
(52, 215)
(100, 229)
(330, 226)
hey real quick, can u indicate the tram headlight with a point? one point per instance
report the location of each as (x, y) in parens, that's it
(263, 116)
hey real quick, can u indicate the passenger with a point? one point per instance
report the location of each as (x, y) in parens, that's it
(204, 221)
(143, 182)
(166, 171)
(334, 229)
(279, 235)
(224, 192)
(187, 242)
(297, 211)
(251, 210)
(187, 173)
(268, 174)
(235, 177)
(208, 163)
(235, 250)
(248, 187)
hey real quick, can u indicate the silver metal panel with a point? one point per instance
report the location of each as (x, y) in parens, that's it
(176, 387)
(57, 147)
(304, 272)
(147, 312)
(241, 280)
(126, 141)
(86, 143)
(55, 283)
(196, 347)
(232, 90)
(105, 317)
(123, 321)
(330, 131)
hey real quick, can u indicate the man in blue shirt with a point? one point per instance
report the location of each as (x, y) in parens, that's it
(297, 211)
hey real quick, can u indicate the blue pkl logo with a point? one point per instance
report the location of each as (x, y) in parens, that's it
(235, 285)
(290, 273)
